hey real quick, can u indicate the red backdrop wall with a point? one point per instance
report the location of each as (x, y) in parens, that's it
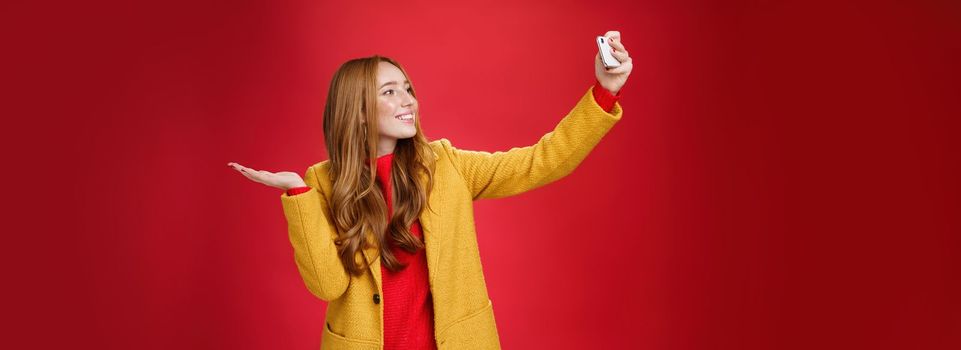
(785, 175)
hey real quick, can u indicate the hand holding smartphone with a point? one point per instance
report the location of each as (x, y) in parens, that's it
(607, 58)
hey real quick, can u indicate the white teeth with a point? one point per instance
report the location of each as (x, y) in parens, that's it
(405, 117)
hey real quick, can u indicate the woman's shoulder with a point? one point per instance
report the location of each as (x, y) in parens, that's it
(441, 145)
(320, 171)
(322, 165)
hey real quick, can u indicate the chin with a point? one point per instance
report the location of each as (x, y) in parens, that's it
(408, 135)
(404, 136)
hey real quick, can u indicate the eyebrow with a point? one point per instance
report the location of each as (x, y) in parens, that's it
(392, 82)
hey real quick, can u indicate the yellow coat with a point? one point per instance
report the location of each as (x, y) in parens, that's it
(463, 314)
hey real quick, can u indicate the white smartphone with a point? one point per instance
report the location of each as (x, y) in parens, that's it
(605, 50)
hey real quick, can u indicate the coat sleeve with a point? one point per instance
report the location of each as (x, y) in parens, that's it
(312, 236)
(555, 155)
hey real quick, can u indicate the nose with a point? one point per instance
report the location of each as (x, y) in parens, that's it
(408, 99)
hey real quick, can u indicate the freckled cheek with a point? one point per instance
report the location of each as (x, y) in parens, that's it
(386, 108)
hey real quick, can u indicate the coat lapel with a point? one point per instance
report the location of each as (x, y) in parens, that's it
(372, 255)
(432, 241)
(432, 227)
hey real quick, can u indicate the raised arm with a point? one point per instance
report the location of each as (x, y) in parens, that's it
(555, 155)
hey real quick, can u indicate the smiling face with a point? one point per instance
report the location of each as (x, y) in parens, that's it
(396, 107)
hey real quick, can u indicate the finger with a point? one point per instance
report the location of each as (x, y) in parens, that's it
(240, 168)
(624, 67)
(261, 176)
(613, 34)
(250, 176)
(621, 56)
(617, 45)
(249, 172)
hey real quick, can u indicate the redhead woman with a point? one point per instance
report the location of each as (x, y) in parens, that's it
(384, 229)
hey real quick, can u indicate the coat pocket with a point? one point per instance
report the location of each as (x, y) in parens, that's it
(334, 341)
(477, 330)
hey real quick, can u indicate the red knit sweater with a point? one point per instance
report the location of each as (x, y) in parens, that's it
(408, 307)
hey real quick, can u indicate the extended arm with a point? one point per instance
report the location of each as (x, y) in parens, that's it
(555, 155)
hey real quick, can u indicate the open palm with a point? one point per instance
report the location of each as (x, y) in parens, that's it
(284, 180)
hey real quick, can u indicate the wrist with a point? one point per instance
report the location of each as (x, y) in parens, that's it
(611, 90)
(604, 97)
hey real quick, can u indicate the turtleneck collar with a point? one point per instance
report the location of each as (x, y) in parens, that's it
(383, 158)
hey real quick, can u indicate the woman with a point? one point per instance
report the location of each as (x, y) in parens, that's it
(390, 243)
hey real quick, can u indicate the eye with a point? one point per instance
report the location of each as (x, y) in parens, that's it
(391, 91)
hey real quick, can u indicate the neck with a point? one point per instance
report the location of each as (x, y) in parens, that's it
(385, 146)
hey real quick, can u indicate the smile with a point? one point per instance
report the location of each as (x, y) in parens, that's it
(407, 118)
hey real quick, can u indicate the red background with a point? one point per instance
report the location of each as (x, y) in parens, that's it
(785, 175)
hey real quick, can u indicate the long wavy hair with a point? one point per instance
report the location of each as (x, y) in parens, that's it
(357, 205)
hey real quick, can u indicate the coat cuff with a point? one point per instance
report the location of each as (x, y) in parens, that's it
(605, 98)
(297, 190)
